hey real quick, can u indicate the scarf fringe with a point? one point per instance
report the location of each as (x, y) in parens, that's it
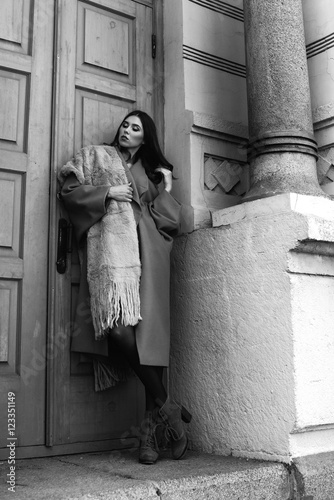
(116, 303)
(107, 375)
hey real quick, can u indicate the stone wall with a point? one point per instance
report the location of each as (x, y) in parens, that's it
(252, 308)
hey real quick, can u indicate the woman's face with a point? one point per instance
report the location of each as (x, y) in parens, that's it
(131, 134)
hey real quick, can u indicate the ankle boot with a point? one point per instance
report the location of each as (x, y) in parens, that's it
(149, 450)
(170, 414)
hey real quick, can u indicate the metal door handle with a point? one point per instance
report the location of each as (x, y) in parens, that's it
(64, 244)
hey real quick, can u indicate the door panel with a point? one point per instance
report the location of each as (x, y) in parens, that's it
(26, 48)
(104, 69)
(15, 25)
(104, 38)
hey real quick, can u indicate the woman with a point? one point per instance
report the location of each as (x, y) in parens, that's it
(124, 217)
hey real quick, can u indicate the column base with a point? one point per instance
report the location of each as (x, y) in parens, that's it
(252, 336)
(279, 173)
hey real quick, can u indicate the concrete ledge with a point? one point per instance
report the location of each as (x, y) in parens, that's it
(118, 476)
(316, 206)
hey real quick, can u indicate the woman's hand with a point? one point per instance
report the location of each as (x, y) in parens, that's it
(124, 192)
(167, 174)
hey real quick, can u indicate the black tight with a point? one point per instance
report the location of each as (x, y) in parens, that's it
(124, 339)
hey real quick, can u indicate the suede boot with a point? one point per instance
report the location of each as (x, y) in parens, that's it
(170, 414)
(149, 450)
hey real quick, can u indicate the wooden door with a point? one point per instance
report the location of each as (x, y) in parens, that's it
(104, 69)
(26, 53)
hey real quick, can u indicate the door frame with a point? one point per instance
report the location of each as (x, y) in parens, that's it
(60, 339)
(25, 61)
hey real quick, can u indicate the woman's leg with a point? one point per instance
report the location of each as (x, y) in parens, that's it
(150, 400)
(124, 338)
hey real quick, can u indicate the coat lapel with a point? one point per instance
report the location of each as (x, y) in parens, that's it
(139, 182)
(139, 175)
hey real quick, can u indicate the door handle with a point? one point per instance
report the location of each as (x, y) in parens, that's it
(64, 244)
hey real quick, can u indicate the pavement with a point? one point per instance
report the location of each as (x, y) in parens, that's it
(117, 475)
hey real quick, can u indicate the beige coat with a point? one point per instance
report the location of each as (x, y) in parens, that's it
(157, 216)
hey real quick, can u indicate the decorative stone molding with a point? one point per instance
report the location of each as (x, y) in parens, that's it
(325, 170)
(288, 141)
(214, 126)
(323, 116)
(224, 176)
(219, 156)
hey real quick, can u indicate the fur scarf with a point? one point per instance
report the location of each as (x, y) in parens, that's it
(113, 262)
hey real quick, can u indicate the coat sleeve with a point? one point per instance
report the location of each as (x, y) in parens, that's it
(85, 204)
(165, 211)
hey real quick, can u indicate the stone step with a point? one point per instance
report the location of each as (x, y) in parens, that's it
(117, 475)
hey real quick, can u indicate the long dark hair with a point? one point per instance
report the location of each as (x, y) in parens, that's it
(150, 152)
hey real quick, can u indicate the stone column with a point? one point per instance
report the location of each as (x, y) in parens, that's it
(283, 150)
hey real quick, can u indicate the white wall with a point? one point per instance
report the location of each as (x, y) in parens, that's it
(206, 109)
(208, 89)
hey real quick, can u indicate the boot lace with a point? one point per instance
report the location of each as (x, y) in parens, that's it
(149, 439)
(170, 433)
